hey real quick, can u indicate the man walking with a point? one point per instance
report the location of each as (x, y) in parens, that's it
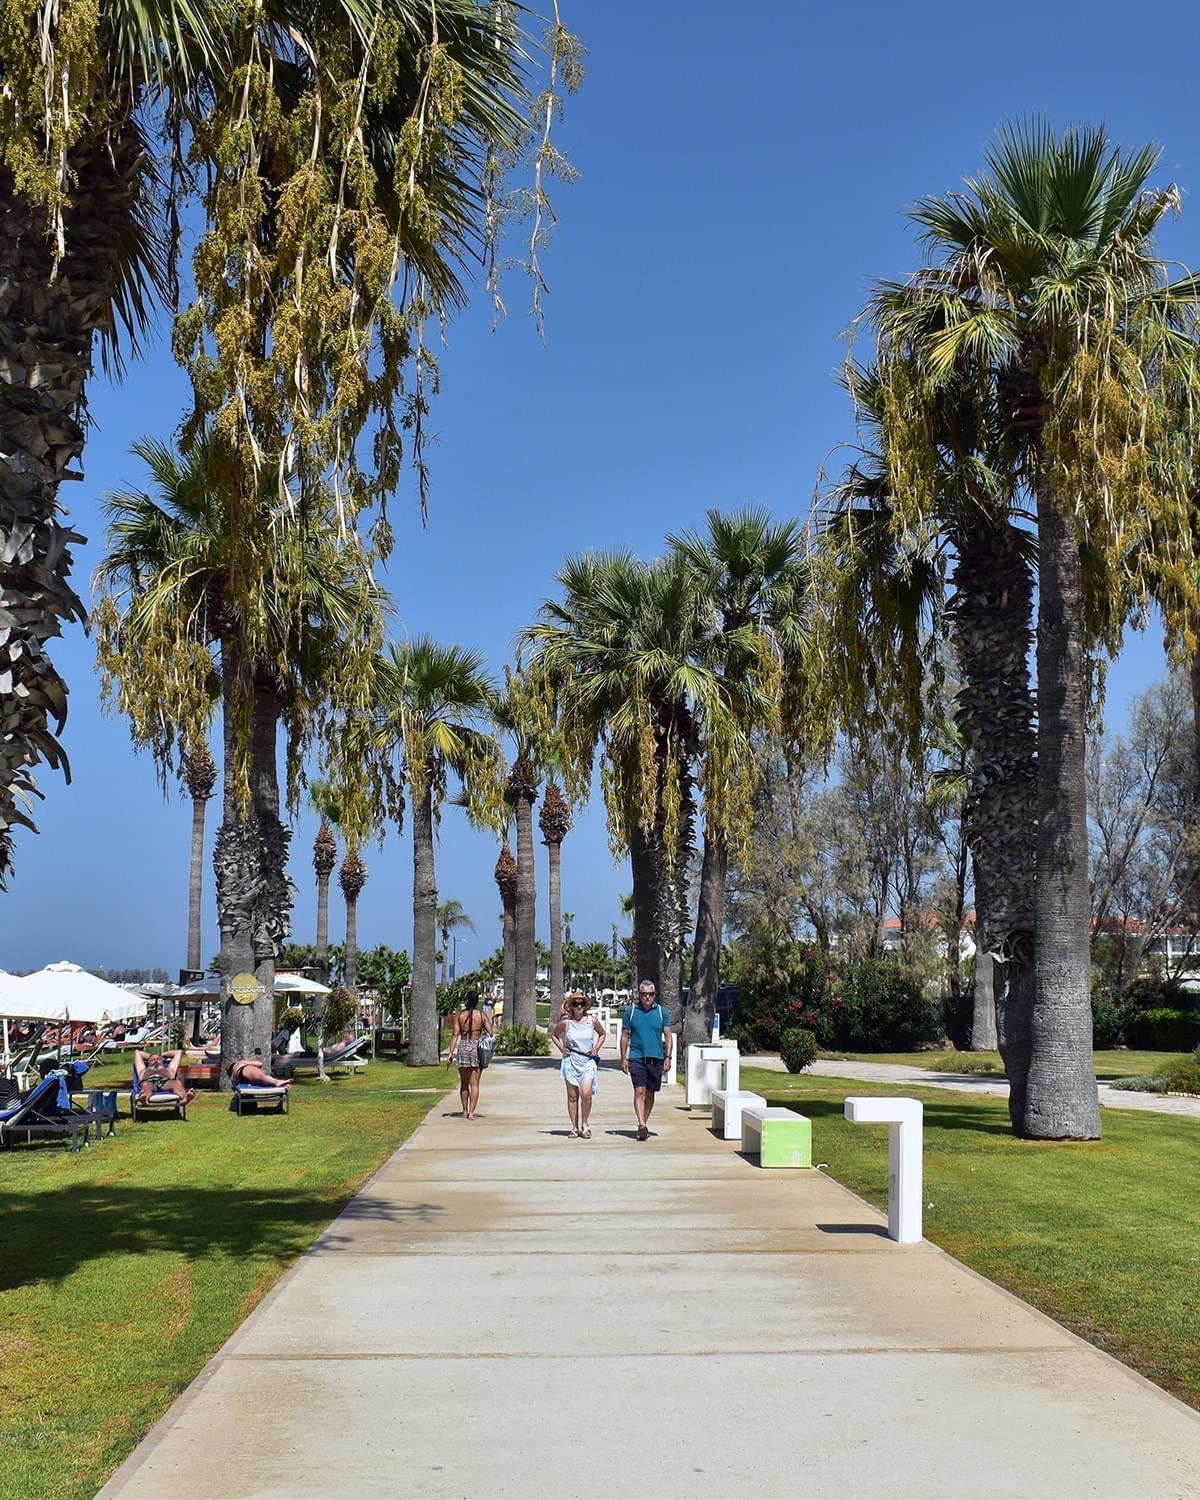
(645, 1051)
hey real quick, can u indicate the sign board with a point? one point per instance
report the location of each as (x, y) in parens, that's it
(190, 976)
(244, 989)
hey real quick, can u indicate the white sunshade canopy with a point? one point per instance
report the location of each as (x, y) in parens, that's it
(285, 984)
(65, 992)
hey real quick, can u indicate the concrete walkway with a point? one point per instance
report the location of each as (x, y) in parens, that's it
(505, 1312)
(974, 1083)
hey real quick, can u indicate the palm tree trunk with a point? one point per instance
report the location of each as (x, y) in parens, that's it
(983, 1005)
(644, 861)
(350, 958)
(445, 958)
(196, 884)
(47, 326)
(992, 619)
(1061, 1098)
(525, 975)
(710, 923)
(557, 987)
(424, 1047)
(321, 956)
(509, 930)
(253, 892)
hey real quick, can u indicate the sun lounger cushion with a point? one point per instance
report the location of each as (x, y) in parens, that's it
(260, 1088)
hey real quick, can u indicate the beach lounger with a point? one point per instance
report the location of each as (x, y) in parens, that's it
(346, 1055)
(45, 1110)
(259, 1094)
(157, 1102)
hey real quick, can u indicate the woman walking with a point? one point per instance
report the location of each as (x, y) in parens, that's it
(470, 1024)
(579, 1038)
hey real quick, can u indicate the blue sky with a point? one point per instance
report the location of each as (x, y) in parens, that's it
(743, 178)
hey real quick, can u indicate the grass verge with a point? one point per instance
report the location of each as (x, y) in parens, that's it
(125, 1267)
(1119, 1062)
(1102, 1235)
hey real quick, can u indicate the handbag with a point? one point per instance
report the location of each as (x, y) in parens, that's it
(487, 1045)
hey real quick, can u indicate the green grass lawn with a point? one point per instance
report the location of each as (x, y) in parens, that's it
(123, 1268)
(1104, 1236)
(1120, 1062)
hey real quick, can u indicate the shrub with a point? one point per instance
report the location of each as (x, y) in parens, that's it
(882, 1010)
(784, 987)
(522, 1041)
(337, 1013)
(292, 1017)
(1164, 1030)
(1109, 1017)
(798, 1049)
(970, 1062)
(1183, 1077)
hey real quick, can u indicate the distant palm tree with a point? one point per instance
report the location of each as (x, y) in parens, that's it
(432, 709)
(506, 883)
(555, 823)
(451, 918)
(200, 778)
(325, 803)
(351, 877)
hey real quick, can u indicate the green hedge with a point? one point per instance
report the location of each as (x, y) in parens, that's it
(1164, 1030)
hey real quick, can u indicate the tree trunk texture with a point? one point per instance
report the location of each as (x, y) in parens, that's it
(445, 959)
(509, 931)
(350, 960)
(254, 894)
(321, 956)
(557, 985)
(48, 322)
(196, 885)
(644, 863)
(424, 1036)
(710, 923)
(983, 1005)
(525, 975)
(1061, 1098)
(992, 620)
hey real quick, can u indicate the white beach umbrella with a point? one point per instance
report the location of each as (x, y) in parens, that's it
(65, 992)
(285, 984)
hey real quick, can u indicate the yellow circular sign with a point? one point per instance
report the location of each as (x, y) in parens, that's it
(244, 989)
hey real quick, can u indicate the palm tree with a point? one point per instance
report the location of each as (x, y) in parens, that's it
(351, 877)
(169, 564)
(1044, 295)
(506, 881)
(324, 802)
(94, 102)
(752, 574)
(432, 704)
(200, 777)
(885, 602)
(451, 918)
(555, 823)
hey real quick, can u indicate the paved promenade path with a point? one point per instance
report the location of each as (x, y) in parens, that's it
(506, 1312)
(975, 1083)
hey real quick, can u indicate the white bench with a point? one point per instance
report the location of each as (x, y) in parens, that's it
(905, 1121)
(727, 1108)
(711, 1065)
(778, 1137)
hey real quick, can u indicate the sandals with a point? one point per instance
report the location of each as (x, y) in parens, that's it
(573, 1134)
(586, 1132)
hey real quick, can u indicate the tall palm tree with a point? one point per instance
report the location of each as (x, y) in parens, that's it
(506, 881)
(884, 604)
(200, 777)
(451, 918)
(351, 877)
(624, 655)
(555, 823)
(96, 100)
(324, 802)
(432, 709)
(1044, 294)
(169, 559)
(752, 574)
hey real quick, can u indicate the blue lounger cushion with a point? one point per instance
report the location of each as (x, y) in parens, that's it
(260, 1088)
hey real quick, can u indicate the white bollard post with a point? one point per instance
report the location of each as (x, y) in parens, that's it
(905, 1121)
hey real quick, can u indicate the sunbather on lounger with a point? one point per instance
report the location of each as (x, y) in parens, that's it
(251, 1070)
(159, 1074)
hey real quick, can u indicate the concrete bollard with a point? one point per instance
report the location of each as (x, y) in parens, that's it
(905, 1121)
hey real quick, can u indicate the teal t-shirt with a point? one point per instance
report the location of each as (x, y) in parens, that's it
(646, 1030)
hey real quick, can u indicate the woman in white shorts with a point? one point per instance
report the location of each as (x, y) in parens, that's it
(579, 1038)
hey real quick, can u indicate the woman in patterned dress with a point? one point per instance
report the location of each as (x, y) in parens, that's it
(579, 1038)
